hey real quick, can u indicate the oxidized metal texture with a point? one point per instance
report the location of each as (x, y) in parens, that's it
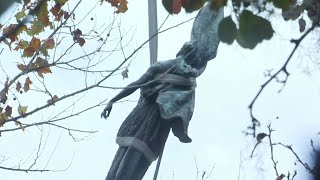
(205, 31)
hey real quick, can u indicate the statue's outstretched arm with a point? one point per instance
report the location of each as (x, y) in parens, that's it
(132, 87)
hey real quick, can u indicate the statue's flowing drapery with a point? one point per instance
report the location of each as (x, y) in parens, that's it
(166, 104)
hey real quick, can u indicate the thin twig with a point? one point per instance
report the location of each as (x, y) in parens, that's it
(283, 69)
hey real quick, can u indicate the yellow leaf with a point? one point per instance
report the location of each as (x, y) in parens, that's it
(18, 123)
(22, 110)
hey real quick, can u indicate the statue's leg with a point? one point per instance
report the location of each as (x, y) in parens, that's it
(130, 164)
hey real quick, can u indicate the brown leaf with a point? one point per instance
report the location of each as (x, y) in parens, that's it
(302, 25)
(21, 67)
(3, 118)
(122, 7)
(260, 136)
(6, 86)
(28, 52)
(18, 86)
(281, 177)
(35, 43)
(81, 41)
(124, 73)
(27, 83)
(43, 70)
(9, 30)
(53, 99)
(56, 9)
(3, 97)
(49, 44)
(21, 45)
(8, 111)
(26, 2)
(42, 66)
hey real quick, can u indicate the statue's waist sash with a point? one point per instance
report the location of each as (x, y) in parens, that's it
(176, 79)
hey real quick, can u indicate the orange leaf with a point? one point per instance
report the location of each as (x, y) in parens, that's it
(49, 44)
(27, 83)
(35, 43)
(28, 52)
(122, 7)
(43, 70)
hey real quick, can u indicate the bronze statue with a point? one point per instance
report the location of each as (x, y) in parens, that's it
(166, 102)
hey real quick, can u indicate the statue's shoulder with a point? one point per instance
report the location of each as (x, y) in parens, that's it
(164, 65)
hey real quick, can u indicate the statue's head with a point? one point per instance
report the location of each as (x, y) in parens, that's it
(188, 52)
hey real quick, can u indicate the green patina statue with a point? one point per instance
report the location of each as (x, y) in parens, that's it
(166, 102)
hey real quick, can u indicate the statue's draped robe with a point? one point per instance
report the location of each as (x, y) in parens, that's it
(163, 105)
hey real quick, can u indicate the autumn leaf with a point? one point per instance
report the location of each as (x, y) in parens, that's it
(56, 9)
(42, 66)
(3, 118)
(26, 2)
(49, 44)
(12, 33)
(124, 73)
(280, 177)
(6, 86)
(35, 43)
(27, 83)
(18, 123)
(28, 52)
(20, 14)
(22, 110)
(122, 7)
(302, 25)
(3, 97)
(4, 92)
(21, 67)
(21, 45)
(260, 136)
(53, 99)
(33, 47)
(62, 2)
(42, 14)
(18, 86)
(36, 28)
(77, 37)
(8, 111)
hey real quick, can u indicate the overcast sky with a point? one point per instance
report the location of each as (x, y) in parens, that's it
(223, 94)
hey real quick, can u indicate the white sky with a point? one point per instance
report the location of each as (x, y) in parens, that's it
(224, 91)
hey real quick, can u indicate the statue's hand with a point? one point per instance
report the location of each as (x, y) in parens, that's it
(106, 112)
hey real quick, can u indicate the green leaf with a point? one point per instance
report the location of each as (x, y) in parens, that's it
(36, 28)
(216, 4)
(62, 2)
(253, 29)
(282, 4)
(20, 14)
(227, 30)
